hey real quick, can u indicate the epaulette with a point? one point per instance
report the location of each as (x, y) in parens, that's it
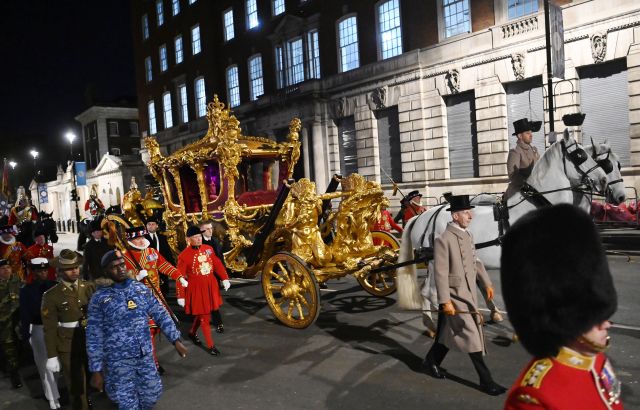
(526, 398)
(535, 374)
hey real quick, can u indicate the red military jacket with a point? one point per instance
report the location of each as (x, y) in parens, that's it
(153, 262)
(386, 222)
(15, 253)
(201, 266)
(412, 210)
(26, 214)
(568, 381)
(37, 251)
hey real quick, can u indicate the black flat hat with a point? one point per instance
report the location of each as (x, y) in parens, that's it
(412, 195)
(193, 230)
(459, 203)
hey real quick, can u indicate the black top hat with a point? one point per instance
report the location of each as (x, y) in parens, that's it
(459, 203)
(193, 230)
(95, 226)
(412, 195)
(522, 125)
(136, 232)
(558, 295)
(39, 231)
(153, 218)
(7, 229)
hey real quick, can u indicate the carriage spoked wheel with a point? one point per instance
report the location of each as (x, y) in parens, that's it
(382, 283)
(291, 290)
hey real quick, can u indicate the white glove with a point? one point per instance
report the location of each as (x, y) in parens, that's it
(226, 284)
(53, 364)
(141, 275)
(183, 282)
(181, 302)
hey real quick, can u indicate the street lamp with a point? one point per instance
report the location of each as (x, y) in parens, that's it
(35, 154)
(13, 164)
(70, 136)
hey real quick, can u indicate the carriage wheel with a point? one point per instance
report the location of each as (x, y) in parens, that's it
(382, 283)
(291, 290)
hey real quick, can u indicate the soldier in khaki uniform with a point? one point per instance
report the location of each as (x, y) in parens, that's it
(9, 291)
(64, 318)
(456, 271)
(521, 158)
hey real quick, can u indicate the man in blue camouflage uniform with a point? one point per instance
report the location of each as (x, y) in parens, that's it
(118, 339)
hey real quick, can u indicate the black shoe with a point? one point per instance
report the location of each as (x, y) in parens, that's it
(220, 329)
(214, 352)
(195, 339)
(160, 370)
(492, 388)
(323, 286)
(432, 370)
(15, 380)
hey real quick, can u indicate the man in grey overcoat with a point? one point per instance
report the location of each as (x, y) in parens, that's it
(457, 272)
(522, 157)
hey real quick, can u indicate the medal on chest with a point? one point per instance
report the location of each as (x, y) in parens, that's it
(609, 384)
(205, 266)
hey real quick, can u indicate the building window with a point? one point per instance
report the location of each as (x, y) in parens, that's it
(166, 108)
(277, 7)
(195, 40)
(148, 69)
(192, 1)
(133, 129)
(456, 17)
(256, 83)
(145, 27)
(175, 7)
(348, 43)
(115, 151)
(113, 128)
(280, 80)
(233, 86)
(252, 14)
(178, 46)
(151, 106)
(201, 98)
(519, 8)
(313, 54)
(163, 58)
(182, 97)
(390, 30)
(295, 62)
(227, 18)
(160, 12)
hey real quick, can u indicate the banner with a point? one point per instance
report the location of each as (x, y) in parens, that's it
(556, 28)
(81, 173)
(43, 194)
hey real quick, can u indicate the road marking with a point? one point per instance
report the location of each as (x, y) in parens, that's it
(637, 328)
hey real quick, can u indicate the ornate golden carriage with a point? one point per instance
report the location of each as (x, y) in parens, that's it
(274, 226)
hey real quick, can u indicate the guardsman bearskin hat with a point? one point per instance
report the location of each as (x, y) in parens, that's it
(555, 278)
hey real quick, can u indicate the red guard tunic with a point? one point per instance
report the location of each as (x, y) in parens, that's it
(201, 266)
(386, 222)
(15, 253)
(411, 211)
(17, 216)
(567, 381)
(38, 251)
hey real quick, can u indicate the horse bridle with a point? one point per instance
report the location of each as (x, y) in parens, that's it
(578, 156)
(606, 165)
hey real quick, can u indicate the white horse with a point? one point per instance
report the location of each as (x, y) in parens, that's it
(610, 164)
(564, 174)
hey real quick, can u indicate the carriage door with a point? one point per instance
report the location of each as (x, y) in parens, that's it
(463, 143)
(519, 93)
(604, 97)
(348, 149)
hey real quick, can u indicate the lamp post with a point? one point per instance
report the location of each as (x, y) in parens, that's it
(35, 154)
(13, 164)
(70, 136)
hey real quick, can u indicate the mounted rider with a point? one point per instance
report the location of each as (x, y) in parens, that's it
(13, 251)
(412, 206)
(93, 207)
(23, 211)
(522, 157)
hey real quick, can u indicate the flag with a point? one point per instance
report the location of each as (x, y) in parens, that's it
(5, 179)
(81, 173)
(43, 194)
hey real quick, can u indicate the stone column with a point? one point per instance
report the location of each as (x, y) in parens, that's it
(436, 147)
(491, 124)
(103, 139)
(334, 147)
(411, 117)
(320, 156)
(633, 77)
(304, 139)
(367, 141)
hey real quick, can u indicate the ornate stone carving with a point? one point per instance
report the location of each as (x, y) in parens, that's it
(340, 107)
(453, 80)
(519, 27)
(379, 97)
(517, 62)
(598, 46)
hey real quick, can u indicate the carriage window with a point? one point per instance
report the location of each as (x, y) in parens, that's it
(258, 181)
(171, 187)
(190, 190)
(212, 180)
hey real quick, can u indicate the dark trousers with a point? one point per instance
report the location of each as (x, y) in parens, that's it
(216, 318)
(438, 352)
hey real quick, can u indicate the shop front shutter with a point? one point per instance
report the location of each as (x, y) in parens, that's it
(348, 149)
(525, 100)
(604, 97)
(389, 143)
(461, 125)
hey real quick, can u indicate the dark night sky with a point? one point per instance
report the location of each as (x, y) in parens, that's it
(57, 57)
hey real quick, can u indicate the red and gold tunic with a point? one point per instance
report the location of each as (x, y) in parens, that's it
(40, 251)
(201, 266)
(20, 215)
(154, 263)
(15, 253)
(386, 222)
(568, 381)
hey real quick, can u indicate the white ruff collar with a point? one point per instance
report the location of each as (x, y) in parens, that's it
(140, 248)
(9, 242)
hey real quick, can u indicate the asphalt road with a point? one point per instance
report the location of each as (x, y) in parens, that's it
(362, 352)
